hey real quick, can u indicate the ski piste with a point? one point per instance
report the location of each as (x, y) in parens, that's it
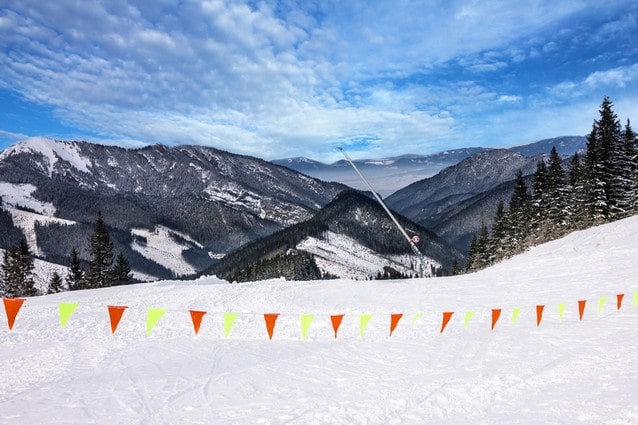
(411, 241)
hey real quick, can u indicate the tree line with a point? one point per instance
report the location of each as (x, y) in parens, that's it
(104, 269)
(597, 188)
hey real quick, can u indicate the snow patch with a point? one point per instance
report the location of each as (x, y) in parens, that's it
(22, 194)
(52, 151)
(26, 221)
(160, 246)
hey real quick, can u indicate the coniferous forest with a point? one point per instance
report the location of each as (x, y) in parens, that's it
(597, 187)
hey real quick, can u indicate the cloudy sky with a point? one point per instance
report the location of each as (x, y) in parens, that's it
(287, 78)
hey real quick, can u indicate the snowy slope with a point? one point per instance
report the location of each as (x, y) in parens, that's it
(162, 248)
(563, 371)
(43, 272)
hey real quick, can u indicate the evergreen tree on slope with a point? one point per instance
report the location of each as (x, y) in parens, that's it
(99, 274)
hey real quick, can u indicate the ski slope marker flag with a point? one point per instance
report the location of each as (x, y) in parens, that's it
(515, 314)
(196, 318)
(66, 310)
(270, 319)
(336, 322)
(115, 314)
(394, 321)
(561, 311)
(152, 317)
(619, 298)
(363, 323)
(306, 320)
(468, 316)
(415, 317)
(496, 313)
(635, 299)
(447, 315)
(601, 304)
(539, 314)
(11, 307)
(581, 308)
(229, 321)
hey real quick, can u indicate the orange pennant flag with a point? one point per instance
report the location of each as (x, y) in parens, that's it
(581, 308)
(270, 322)
(619, 298)
(336, 322)
(447, 315)
(496, 313)
(539, 314)
(11, 307)
(115, 314)
(196, 318)
(394, 321)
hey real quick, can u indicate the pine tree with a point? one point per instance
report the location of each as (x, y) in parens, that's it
(557, 210)
(500, 233)
(472, 255)
(121, 271)
(17, 270)
(75, 279)
(577, 197)
(99, 274)
(520, 213)
(540, 199)
(55, 284)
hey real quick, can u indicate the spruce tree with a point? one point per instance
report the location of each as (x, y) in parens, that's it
(121, 271)
(557, 210)
(577, 195)
(540, 199)
(500, 233)
(520, 214)
(17, 270)
(75, 279)
(99, 274)
(55, 284)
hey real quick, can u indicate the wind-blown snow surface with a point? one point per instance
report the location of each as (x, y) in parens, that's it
(567, 371)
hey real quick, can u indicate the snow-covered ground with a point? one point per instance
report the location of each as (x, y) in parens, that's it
(164, 249)
(564, 371)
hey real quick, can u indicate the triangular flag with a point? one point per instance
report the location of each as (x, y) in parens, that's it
(363, 322)
(496, 313)
(196, 318)
(306, 320)
(270, 319)
(152, 317)
(635, 299)
(515, 314)
(581, 308)
(447, 315)
(336, 322)
(11, 307)
(619, 298)
(539, 314)
(468, 316)
(601, 304)
(561, 310)
(415, 317)
(229, 321)
(115, 314)
(66, 310)
(394, 321)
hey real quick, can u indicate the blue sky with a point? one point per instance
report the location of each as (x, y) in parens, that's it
(297, 78)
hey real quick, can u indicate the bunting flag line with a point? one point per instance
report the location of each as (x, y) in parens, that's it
(447, 315)
(561, 311)
(363, 323)
(601, 304)
(152, 317)
(539, 314)
(270, 319)
(515, 314)
(11, 308)
(619, 298)
(306, 320)
(468, 316)
(581, 308)
(229, 321)
(115, 314)
(394, 321)
(336, 322)
(66, 310)
(496, 313)
(196, 318)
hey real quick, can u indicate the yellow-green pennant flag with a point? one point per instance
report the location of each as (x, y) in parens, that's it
(515, 314)
(468, 316)
(229, 321)
(152, 317)
(306, 320)
(66, 310)
(417, 315)
(601, 304)
(561, 310)
(635, 299)
(363, 322)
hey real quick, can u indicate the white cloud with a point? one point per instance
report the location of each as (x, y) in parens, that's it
(617, 76)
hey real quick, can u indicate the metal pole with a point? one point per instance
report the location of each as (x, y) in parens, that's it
(387, 210)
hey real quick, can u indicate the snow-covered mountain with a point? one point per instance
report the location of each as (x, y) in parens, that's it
(563, 370)
(170, 209)
(351, 237)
